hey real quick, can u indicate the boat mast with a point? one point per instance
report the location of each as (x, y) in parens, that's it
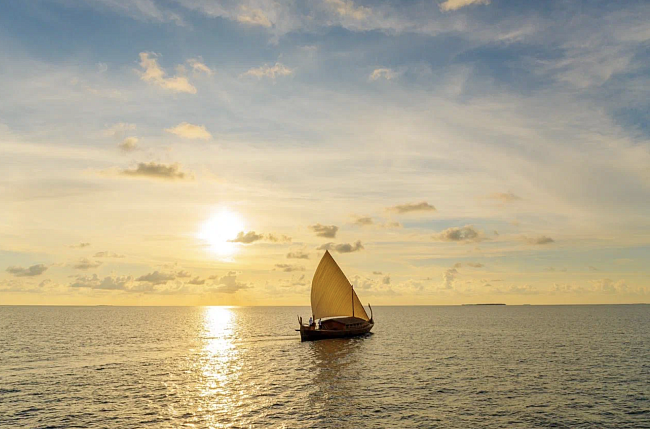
(352, 287)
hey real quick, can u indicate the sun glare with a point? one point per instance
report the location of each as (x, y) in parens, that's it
(219, 230)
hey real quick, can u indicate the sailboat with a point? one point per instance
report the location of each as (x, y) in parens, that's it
(333, 299)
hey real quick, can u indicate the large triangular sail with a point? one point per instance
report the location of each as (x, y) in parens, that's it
(332, 294)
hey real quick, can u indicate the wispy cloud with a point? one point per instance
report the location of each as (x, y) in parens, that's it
(79, 246)
(154, 74)
(107, 255)
(450, 5)
(198, 66)
(288, 268)
(156, 278)
(86, 264)
(298, 255)
(364, 221)
(271, 72)
(34, 270)
(504, 197)
(347, 8)
(190, 131)
(253, 17)
(153, 170)
(542, 239)
(413, 207)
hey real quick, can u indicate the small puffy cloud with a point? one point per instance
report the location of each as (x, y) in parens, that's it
(327, 231)
(273, 238)
(34, 270)
(504, 197)
(391, 224)
(253, 17)
(592, 268)
(347, 8)
(448, 278)
(377, 273)
(79, 246)
(247, 238)
(271, 72)
(197, 281)
(86, 264)
(190, 131)
(183, 274)
(382, 73)
(342, 247)
(107, 283)
(107, 255)
(129, 144)
(521, 290)
(287, 268)
(156, 278)
(450, 5)
(153, 170)
(229, 283)
(364, 221)
(198, 66)
(413, 207)
(465, 234)
(542, 239)
(385, 280)
(298, 255)
(154, 74)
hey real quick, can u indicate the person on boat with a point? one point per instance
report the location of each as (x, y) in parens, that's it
(319, 324)
(311, 322)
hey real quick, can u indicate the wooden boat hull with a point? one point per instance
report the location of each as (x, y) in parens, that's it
(307, 334)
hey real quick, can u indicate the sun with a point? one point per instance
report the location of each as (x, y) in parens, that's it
(219, 229)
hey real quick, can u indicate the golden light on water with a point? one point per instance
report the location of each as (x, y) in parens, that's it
(219, 230)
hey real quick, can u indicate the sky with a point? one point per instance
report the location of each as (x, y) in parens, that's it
(203, 152)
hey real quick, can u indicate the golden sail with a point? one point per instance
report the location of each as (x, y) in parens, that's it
(332, 294)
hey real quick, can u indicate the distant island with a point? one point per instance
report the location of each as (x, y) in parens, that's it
(488, 303)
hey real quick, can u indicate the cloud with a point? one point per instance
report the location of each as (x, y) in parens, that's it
(504, 197)
(391, 225)
(386, 280)
(450, 5)
(382, 73)
(86, 264)
(154, 74)
(79, 246)
(413, 207)
(190, 131)
(449, 278)
(253, 17)
(129, 144)
(542, 239)
(278, 238)
(327, 231)
(107, 283)
(34, 270)
(107, 255)
(343, 247)
(229, 283)
(156, 278)
(475, 264)
(364, 221)
(196, 281)
(198, 66)
(466, 233)
(289, 268)
(377, 273)
(270, 72)
(153, 170)
(298, 255)
(119, 130)
(182, 274)
(247, 238)
(347, 8)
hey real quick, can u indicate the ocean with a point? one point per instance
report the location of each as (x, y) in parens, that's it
(423, 367)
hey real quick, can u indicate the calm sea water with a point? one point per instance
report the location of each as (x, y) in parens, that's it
(447, 367)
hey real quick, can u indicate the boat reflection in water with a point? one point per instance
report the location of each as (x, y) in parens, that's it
(333, 298)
